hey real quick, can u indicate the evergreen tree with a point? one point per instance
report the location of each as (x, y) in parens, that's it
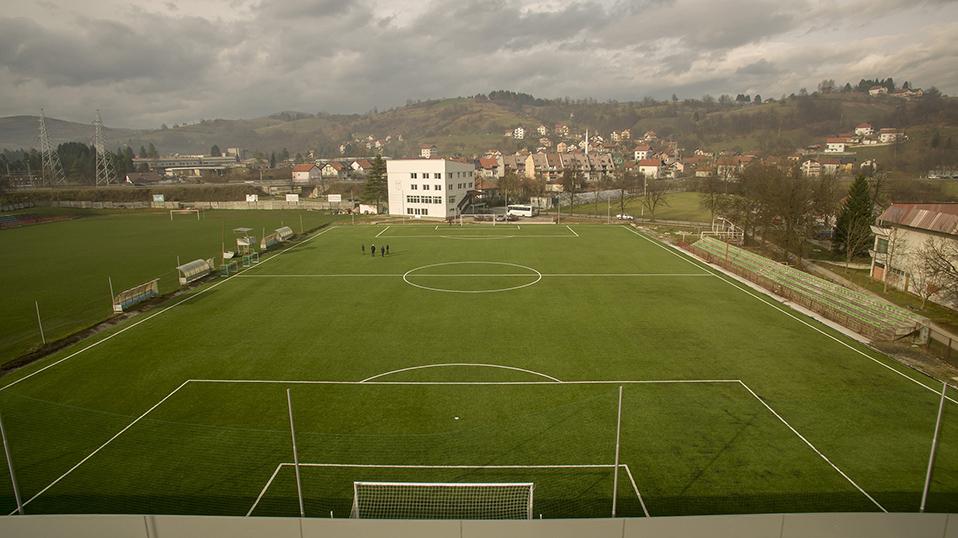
(215, 151)
(376, 188)
(151, 152)
(853, 227)
(272, 160)
(142, 153)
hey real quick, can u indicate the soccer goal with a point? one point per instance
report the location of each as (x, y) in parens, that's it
(184, 212)
(437, 500)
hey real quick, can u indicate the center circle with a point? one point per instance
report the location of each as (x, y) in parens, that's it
(532, 273)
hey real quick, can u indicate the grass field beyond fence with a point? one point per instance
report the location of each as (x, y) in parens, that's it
(66, 266)
(475, 354)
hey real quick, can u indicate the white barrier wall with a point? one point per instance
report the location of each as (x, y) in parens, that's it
(859, 525)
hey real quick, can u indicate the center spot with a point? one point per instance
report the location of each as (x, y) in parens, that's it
(472, 277)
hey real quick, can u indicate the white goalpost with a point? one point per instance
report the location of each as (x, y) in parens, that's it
(184, 212)
(438, 500)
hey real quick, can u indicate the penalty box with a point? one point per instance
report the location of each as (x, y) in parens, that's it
(223, 447)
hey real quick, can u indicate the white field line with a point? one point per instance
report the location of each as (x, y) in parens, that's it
(473, 275)
(672, 252)
(810, 445)
(151, 316)
(266, 487)
(383, 231)
(798, 319)
(571, 230)
(457, 467)
(456, 364)
(636, 489)
(477, 236)
(101, 447)
(554, 383)
(436, 228)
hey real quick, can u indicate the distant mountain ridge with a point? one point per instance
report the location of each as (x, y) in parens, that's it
(470, 125)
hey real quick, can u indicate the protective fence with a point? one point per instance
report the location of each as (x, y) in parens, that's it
(861, 312)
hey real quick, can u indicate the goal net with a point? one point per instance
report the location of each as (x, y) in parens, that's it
(185, 212)
(418, 500)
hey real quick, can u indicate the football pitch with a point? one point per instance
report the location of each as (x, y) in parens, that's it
(475, 354)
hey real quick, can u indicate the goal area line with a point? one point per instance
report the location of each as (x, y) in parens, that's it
(573, 466)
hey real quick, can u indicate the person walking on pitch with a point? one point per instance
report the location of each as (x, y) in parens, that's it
(372, 249)
(363, 246)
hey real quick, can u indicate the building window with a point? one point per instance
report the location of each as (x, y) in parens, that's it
(414, 187)
(882, 246)
(437, 187)
(412, 175)
(409, 211)
(470, 184)
(448, 175)
(452, 199)
(450, 186)
(425, 187)
(437, 175)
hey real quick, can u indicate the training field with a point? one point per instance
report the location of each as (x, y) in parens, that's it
(65, 267)
(475, 354)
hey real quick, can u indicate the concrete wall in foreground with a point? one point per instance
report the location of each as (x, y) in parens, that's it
(865, 525)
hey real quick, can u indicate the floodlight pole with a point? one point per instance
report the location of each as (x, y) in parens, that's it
(292, 432)
(13, 476)
(934, 448)
(615, 470)
(40, 323)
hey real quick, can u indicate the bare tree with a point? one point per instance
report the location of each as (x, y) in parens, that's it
(571, 183)
(923, 278)
(941, 256)
(654, 197)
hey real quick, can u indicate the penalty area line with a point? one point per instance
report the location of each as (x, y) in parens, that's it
(814, 449)
(383, 231)
(101, 447)
(571, 230)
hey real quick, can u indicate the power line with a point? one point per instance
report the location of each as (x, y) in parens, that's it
(105, 172)
(52, 170)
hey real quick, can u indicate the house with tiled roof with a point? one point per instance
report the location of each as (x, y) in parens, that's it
(864, 129)
(650, 168)
(334, 169)
(902, 233)
(304, 173)
(641, 151)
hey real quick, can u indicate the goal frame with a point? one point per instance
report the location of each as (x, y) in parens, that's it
(184, 212)
(529, 485)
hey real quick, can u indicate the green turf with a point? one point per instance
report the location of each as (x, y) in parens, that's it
(610, 305)
(65, 266)
(685, 206)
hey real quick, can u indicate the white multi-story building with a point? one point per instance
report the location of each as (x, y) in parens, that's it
(519, 133)
(428, 187)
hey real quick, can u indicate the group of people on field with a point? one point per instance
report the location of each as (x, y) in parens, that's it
(383, 250)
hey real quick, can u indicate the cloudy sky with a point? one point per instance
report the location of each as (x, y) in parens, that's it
(150, 62)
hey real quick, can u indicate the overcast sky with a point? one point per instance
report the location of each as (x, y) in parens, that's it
(145, 63)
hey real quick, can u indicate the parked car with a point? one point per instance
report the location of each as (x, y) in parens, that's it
(623, 216)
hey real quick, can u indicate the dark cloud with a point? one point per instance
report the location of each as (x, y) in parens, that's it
(242, 58)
